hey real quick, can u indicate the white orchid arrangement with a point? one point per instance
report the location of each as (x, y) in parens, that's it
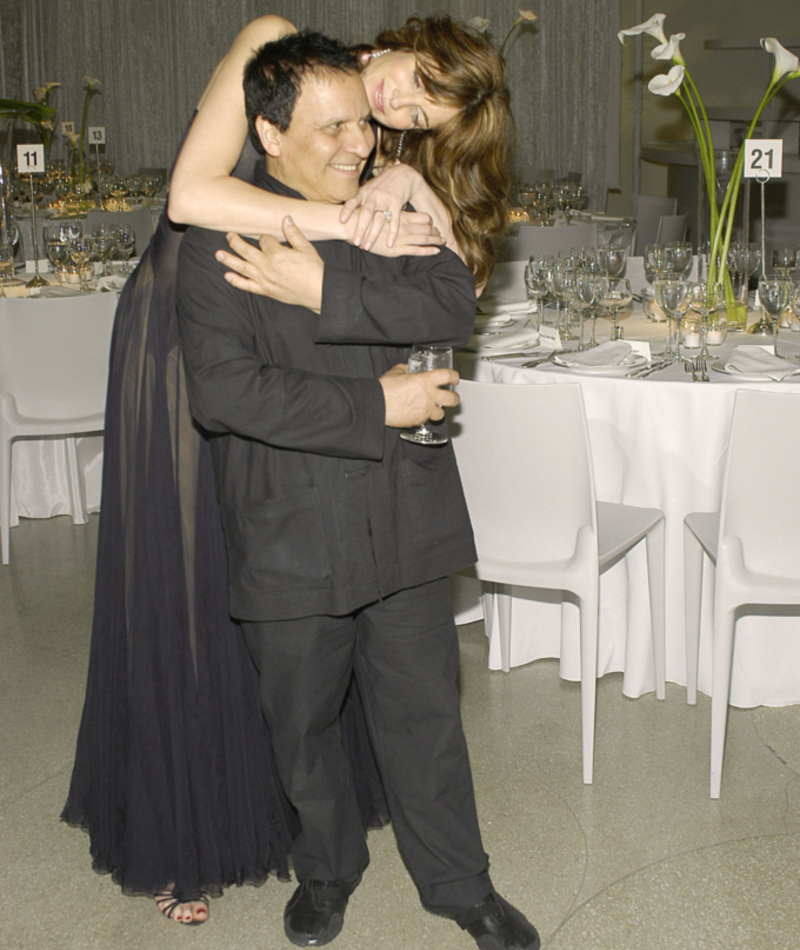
(481, 24)
(92, 88)
(678, 82)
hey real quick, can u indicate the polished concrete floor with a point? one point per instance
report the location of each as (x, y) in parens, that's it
(641, 860)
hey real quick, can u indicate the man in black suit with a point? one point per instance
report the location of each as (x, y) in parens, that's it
(340, 535)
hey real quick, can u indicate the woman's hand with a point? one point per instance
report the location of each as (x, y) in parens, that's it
(388, 192)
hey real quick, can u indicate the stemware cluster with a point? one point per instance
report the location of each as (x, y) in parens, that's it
(584, 283)
(65, 243)
(545, 201)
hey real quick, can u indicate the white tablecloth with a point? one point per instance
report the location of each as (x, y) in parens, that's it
(659, 442)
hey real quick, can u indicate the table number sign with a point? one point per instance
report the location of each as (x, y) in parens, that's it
(97, 135)
(30, 159)
(67, 128)
(763, 160)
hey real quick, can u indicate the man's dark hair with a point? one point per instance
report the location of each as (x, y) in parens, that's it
(274, 76)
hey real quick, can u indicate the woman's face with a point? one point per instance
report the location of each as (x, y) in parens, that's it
(396, 94)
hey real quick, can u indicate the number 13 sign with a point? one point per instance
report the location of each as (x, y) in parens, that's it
(763, 158)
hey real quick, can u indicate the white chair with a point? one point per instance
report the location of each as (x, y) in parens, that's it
(53, 377)
(525, 463)
(647, 212)
(531, 239)
(671, 227)
(754, 541)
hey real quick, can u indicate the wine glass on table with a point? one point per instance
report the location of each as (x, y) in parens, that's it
(536, 283)
(56, 243)
(672, 295)
(774, 294)
(784, 261)
(126, 245)
(705, 300)
(591, 288)
(105, 241)
(423, 359)
(612, 258)
(616, 299)
(9, 238)
(80, 250)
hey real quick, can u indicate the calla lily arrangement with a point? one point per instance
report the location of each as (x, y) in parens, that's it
(481, 25)
(92, 88)
(38, 113)
(678, 82)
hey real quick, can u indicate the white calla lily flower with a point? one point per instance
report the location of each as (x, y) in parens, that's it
(479, 23)
(671, 49)
(665, 84)
(653, 27)
(785, 62)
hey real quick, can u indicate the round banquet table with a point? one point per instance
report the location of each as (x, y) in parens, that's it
(656, 442)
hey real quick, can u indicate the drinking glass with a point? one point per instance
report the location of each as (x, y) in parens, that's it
(656, 263)
(784, 261)
(126, 245)
(672, 295)
(612, 258)
(424, 358)
(105, 241)
(679, 257)
(536, 282)
(58, 254)
(80, 250)
(558, 284)
(774, 294)
(704, 301)
(10, 238)
(590, 288)
(617, 298)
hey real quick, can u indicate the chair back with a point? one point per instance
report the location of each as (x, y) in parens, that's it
(760, 501)
(523, 454)
(647, 212)
(54, 354)
(671, 227)
(530, 239)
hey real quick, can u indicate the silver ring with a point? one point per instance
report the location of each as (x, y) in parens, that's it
(386, 214)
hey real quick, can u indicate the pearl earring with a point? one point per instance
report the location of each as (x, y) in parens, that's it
(378, 52)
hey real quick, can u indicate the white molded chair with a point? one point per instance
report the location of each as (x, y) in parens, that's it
(53, 377)
(525, 463)
(754, 541)
(647, 211)
(671, 227)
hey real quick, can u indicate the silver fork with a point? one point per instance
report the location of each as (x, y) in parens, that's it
(689, 367)
(704, 371)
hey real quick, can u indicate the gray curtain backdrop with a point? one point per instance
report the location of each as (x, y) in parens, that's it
(154, 57)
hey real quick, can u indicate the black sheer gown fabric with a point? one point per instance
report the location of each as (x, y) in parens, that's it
(174, 776)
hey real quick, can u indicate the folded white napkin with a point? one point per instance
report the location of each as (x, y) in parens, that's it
(112, 282)
(497, 318)
(491, 304)
(752, 360)
(611, 353)
(518, 338)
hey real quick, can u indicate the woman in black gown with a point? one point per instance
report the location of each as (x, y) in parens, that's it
(174, 778)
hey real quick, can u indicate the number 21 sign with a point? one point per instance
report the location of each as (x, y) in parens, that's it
(763, 158)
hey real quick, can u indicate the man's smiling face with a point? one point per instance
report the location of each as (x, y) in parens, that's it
(323, 151)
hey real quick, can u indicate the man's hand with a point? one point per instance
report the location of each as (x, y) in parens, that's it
(290, 274)
(414, 398)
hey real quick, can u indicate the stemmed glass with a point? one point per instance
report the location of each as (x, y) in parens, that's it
(679, 257)
(784, 261)
(536, 283)
(617, 298)
(422, 359)
(10, 238)
(126, 245)
(80, 250)
(56, 246)
(705, 301)
(558, 281)
(672, 296)
(590, 289)
(105, 241)
(774, 293)
(612, 258)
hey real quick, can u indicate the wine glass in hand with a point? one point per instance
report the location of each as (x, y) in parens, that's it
(423, 359)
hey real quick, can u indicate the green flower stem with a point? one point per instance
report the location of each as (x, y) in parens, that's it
(89, 91)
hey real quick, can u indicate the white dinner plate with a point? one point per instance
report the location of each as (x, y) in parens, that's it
(493, 321)
(633, 361)
(719, 367)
